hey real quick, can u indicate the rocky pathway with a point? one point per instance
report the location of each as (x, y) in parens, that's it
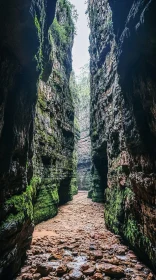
(76, 245)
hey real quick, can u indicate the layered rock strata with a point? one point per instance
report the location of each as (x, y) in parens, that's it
(75, 96)
(84, 143)
(123, 130)
(54, 122)
(33, 64)
(24, 36)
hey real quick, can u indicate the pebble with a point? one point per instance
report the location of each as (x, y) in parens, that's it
(76, 275)
(61, 270)
(76, 250)
(89, 271)
(98, 276)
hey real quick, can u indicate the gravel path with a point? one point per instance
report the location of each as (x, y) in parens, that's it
(76, 245)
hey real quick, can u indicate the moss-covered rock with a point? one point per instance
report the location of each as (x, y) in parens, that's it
(23, 42)
(46, 203)
(122, 124)
(53, 160)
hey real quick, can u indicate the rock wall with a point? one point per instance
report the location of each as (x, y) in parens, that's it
(32, 64)
(54, 123)
(73, 88)
(84, 143)
(123, 130)
(22, 42)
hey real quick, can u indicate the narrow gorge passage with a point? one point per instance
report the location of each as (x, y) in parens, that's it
(76, 245)
(77, 112)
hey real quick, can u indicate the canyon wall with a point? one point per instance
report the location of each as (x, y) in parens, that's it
(54, 122)
(84, 143)
(74, 92)
(123, 119)
(35, 173)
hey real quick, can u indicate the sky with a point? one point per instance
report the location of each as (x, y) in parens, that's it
(81, 43)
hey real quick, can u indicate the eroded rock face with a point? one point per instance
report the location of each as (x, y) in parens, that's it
(84, 143)
(24, 36)
(73, 88)
(123, 131)
(54, 123)
(84, 146)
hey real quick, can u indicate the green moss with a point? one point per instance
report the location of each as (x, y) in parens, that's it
(39, 60)
(51, 37)
(57, 78)
(134, 235)
(128, 193)
(74, 188)
(51, 41)
(42, 101)
(38, 27)
(39, 56)
(131, 230)
(59, 32)
(119, 169)
(76, 124)
(46, 204)
(21, 205)
(35, 182)
(50, 145)
(120, 220)
(27, 164)
(114, 208)
(97, 196)
(71, 12)
(63, 31)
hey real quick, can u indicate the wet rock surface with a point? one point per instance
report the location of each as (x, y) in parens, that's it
(123, 131)
(54, 124)
(84, 143)
(23, 24)
(77, 245)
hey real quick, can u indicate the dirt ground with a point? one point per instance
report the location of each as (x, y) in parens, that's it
(76, 245)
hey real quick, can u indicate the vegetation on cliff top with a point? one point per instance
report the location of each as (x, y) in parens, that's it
(64, 30)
